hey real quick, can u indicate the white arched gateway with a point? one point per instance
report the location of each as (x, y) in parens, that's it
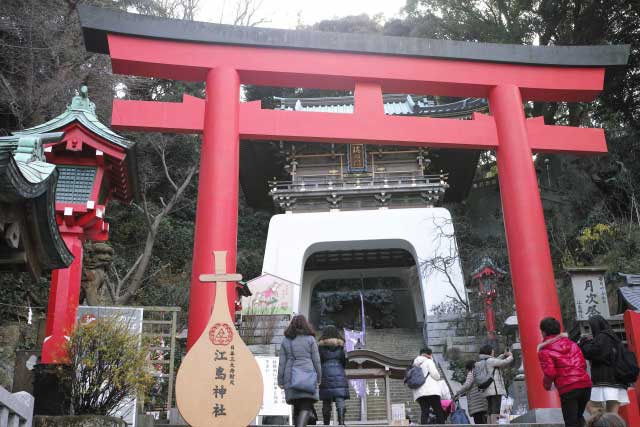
(409, 244)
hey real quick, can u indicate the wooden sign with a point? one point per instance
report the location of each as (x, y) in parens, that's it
(219, 382)
(589, 292)
(357, 158)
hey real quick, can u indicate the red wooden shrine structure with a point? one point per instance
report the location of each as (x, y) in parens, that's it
(226, 56)
(94, 166)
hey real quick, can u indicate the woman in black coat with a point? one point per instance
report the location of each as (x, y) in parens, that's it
(334, 386)
(599, 351)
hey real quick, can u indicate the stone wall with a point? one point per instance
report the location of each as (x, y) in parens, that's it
(13, 336)
(77, 421)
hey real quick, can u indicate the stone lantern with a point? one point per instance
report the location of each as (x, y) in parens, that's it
(486, 276)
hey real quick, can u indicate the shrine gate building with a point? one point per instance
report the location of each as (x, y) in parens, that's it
(224, 57)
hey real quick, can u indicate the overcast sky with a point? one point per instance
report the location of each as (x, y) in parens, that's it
(284, 13)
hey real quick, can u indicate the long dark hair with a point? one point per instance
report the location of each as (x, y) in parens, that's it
(299, 326)
(331, 332)
(469, 365)
(599, 324)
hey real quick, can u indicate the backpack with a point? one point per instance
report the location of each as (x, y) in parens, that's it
(481, 375)
(625, 363)
(414, 378)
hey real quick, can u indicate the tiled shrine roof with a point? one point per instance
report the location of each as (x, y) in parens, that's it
(394, 104)
(83, 112)
(32, 240)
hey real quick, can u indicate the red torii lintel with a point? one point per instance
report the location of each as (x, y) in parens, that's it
(258, 124)
(226, 56)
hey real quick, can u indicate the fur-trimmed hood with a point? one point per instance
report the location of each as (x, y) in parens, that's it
(552, 340)
(331, 342)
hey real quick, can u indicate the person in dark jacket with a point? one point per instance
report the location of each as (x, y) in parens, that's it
(299, 362)
(334, 386)
(477, 405)
(599, 351)
(563, 364)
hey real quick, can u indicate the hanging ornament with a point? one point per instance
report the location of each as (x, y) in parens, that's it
(355, 387)
(30, 316)
(376, 389)
(367, 389)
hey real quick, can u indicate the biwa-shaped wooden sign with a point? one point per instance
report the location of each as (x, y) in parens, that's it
(219, 381)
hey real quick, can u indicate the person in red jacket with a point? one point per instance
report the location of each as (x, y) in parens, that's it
(563, 365)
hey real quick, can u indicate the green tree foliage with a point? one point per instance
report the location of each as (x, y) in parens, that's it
(108, 364)
(597, 193)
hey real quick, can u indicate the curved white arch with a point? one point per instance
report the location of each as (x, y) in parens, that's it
(427, 233)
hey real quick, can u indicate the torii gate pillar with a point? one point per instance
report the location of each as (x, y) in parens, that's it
(529, 255)
(217, 209)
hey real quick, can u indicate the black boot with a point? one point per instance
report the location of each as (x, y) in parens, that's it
(341, 414)
(303, 417)
(326, 415)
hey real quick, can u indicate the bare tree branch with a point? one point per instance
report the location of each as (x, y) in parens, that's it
(135, 277)
(163, 157)
(443, 263)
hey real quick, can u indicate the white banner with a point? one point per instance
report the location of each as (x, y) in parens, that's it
(273, 400)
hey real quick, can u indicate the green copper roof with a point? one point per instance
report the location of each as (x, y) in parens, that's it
(26, 153)
(27, 190)
(82, 110)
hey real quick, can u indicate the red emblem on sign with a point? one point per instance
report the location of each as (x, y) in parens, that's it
(220, 334)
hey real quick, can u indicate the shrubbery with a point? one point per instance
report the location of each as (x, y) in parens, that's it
(108, 365)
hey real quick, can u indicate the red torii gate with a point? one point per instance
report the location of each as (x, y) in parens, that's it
(226, 56)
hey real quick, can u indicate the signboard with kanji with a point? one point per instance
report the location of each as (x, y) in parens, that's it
(273, 400)
(357, 157)
(590, 294)
(219, 383)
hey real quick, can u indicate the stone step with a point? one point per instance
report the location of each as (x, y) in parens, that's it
(398, 343)
(389, 425)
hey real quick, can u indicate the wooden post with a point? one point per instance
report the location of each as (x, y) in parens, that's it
(388, 393)
(174, 316)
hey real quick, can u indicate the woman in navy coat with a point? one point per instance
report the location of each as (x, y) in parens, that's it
(334, 386)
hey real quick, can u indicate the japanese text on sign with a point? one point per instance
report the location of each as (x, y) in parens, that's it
(590, 295)
(273, 401)
(225, 372)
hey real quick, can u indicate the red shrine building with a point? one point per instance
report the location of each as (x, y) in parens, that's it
(95, 165)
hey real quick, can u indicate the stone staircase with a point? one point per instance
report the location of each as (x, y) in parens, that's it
(396, 343)
(442, 333)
